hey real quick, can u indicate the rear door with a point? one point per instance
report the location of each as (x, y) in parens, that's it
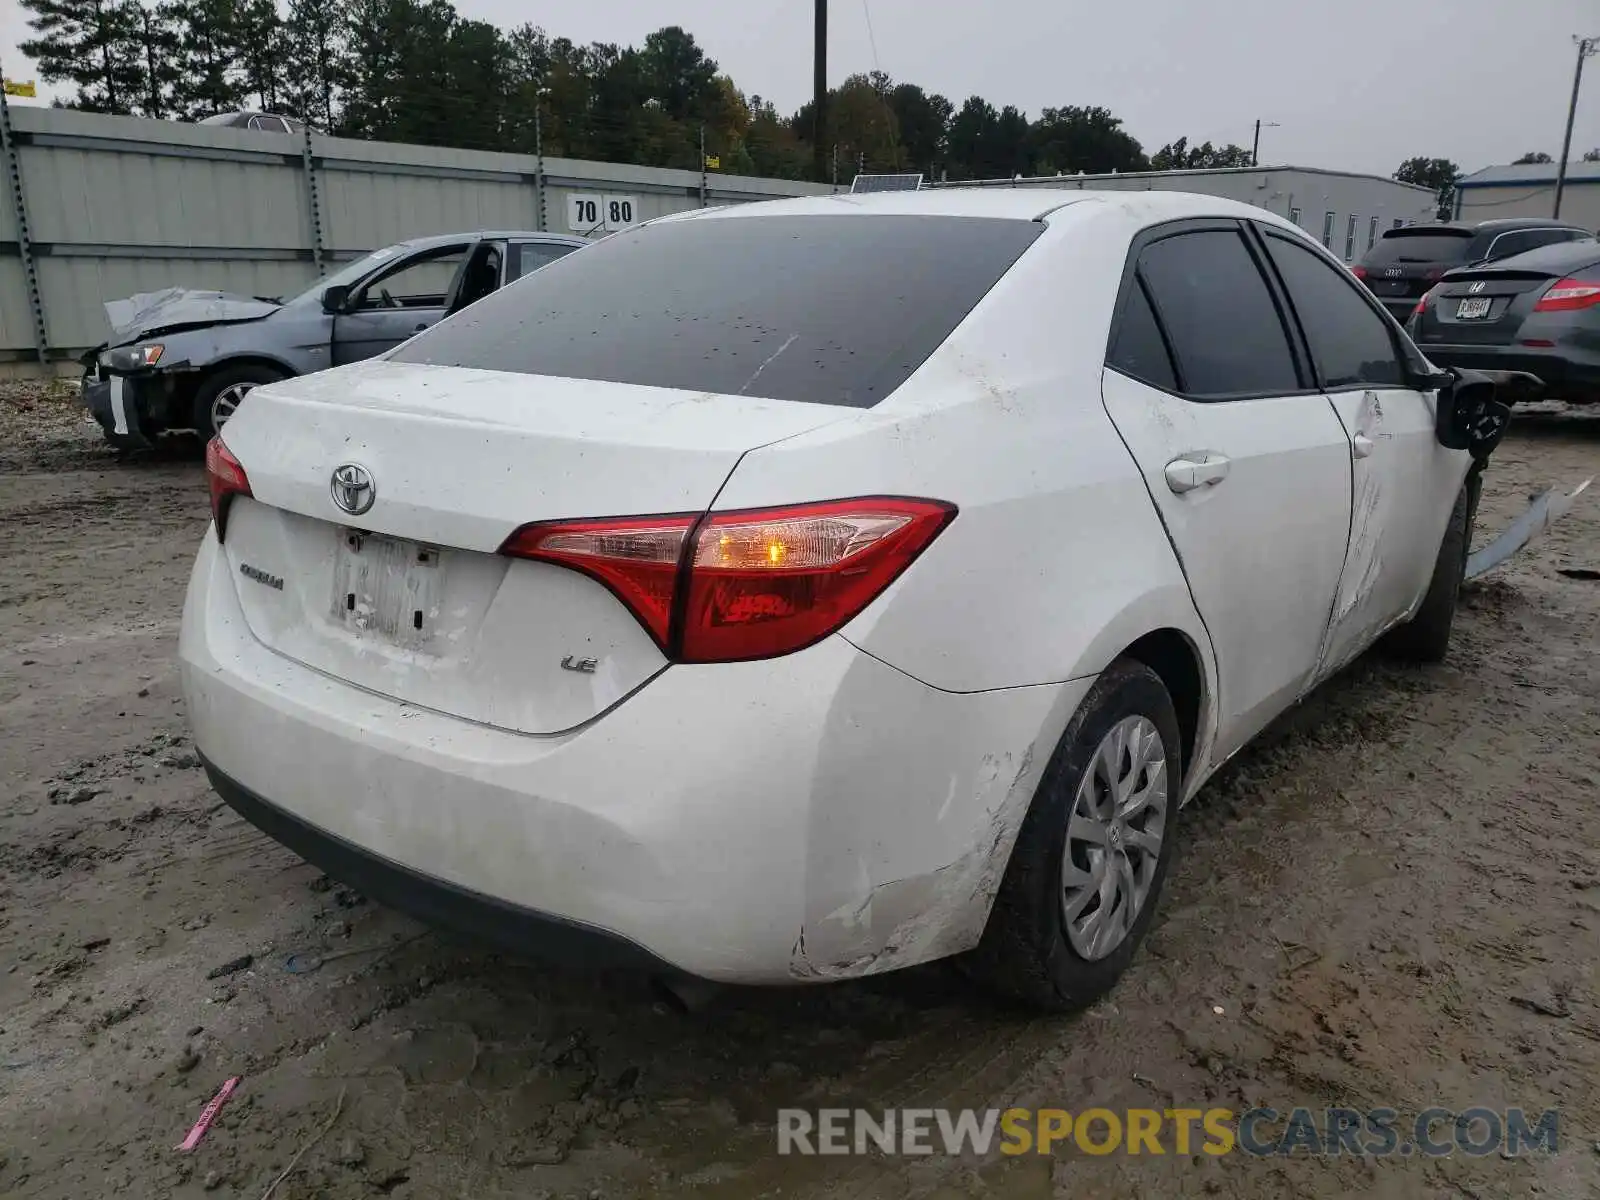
(1403, 482)
(404, 298)
(1244, 457)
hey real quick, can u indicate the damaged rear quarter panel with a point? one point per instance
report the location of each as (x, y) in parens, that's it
(903, 868)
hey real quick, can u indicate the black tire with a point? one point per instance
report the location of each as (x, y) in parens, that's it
(1426, 637)
(1025, 953)
(219, 381)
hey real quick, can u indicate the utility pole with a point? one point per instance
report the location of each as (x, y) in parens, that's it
(702, 164)
(1255, 146)
(1586, 47)
(819, 94)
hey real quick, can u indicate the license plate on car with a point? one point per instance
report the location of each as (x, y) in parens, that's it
(387, 588)
(1473, 310)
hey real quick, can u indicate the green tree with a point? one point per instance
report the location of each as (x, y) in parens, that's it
(923, 119)
(1440, 174)
(263, 52)
(1072, 139)
(1592, 155)
(676, 72)
(157, 51)
(317, 62)
(1180, 156)
(210, 78)
(91, 44)
(1531, 158)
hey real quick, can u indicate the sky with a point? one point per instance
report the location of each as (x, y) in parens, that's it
(1357, 85)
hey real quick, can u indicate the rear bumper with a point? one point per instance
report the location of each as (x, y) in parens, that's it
(1562, 370)
(817, 816)
(434, 901)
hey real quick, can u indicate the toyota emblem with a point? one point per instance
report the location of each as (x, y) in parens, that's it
(352, 488)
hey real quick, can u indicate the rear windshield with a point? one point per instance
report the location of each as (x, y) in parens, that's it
(1420, 246)
(825, 309)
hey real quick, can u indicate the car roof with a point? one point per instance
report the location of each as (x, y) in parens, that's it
(521, 235)
(1006, 203)
(1501, 223)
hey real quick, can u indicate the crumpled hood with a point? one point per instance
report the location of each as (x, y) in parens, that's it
(151, 312)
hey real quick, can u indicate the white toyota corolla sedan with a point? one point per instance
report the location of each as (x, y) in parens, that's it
(804, 590)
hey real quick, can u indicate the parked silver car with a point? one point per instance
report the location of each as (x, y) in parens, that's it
(185, 359)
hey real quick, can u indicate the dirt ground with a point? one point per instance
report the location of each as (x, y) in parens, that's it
(1394, 899)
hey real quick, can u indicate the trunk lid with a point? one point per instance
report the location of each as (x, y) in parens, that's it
(1405, 263)
(1481, 307)
(409, 599)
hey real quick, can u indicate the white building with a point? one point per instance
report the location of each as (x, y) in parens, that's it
(1343, 210)
(1529, 190)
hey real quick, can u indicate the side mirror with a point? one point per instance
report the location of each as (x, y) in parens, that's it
(335, 298)
(1474, 408)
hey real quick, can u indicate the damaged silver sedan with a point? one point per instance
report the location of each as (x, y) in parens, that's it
(185, 359)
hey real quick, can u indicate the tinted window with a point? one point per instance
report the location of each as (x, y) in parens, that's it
(1418, 245)
(1349, 341)
(1137, 348)
(1215, 306)
(826, 309)
(1529, 239)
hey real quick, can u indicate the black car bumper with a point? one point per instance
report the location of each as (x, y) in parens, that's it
(1567, 375)
(521, 931)
(120, 410)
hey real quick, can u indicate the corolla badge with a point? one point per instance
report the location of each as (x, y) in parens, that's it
(352, 488)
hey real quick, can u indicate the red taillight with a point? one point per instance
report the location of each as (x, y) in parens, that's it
(1569, 294)
(1359, 272)
(1434, 274)
(226, 478)
(747, 584)
(636, 557)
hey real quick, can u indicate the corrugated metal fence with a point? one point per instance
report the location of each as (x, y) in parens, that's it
(102, 207)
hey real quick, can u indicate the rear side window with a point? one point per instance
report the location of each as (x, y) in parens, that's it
(1524, 240)
(1215, 306)
(1414, 245)
(530, 256)
(824, 309)
(1351, 344)
(1137, 349)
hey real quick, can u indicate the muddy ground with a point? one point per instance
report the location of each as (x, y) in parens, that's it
(1394, 899)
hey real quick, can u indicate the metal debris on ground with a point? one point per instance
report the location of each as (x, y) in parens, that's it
(1547, 508)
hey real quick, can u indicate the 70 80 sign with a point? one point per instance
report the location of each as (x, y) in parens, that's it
(591, 213)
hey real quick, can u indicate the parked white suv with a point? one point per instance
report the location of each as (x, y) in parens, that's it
(804, 590)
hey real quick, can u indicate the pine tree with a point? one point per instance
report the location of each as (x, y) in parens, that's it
(258, 32)
(156, 51)
(317, 64)
(210, 76)
(89, 43)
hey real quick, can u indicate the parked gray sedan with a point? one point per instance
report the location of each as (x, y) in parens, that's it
(185, 359)
(1537, 312)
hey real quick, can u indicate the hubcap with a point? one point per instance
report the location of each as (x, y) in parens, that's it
(227, 403)
(1114, 837)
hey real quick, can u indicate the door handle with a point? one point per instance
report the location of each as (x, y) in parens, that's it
(1204, 470)
(1361, 445)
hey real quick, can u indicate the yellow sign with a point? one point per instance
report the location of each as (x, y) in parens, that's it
(17, 87)
(713, 162)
